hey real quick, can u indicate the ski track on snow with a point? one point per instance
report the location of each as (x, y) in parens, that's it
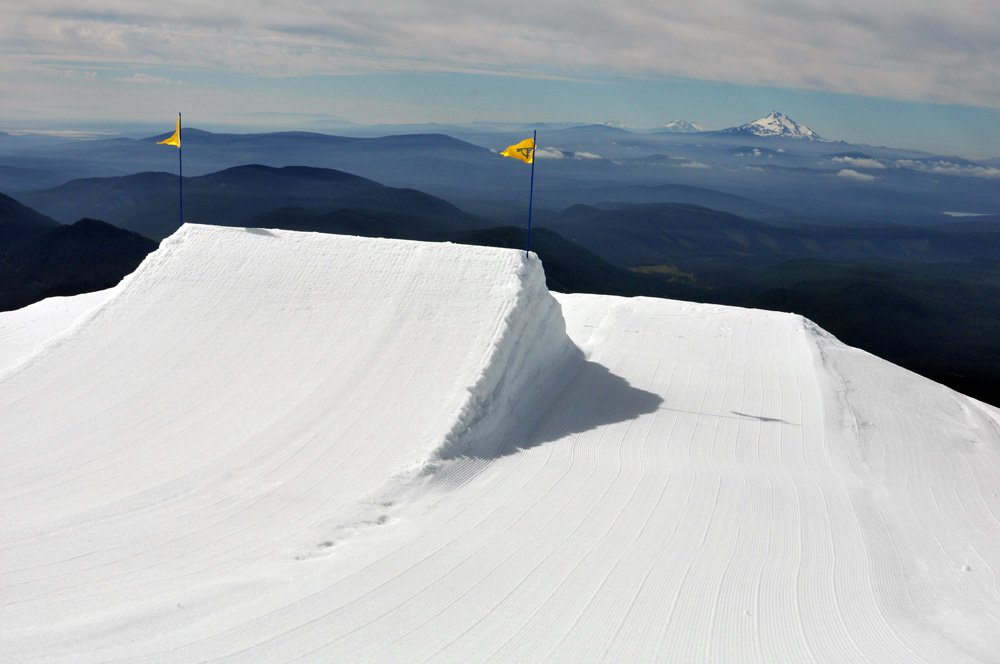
(292, 447)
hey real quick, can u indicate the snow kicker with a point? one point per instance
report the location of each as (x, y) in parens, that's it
(292, 447)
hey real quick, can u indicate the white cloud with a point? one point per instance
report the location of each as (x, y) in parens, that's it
(549, 153)
(145, 79)
(918, 50)
(949, 168)
(552, 152)
(76, 74)
(62, 133)
(860, 162)
(855, 175)
(694, 164)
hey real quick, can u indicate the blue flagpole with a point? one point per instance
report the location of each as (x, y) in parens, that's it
(531, 190)
(180, 170)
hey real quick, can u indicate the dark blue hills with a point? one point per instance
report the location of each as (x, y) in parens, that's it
(40, 257)
(147, 203)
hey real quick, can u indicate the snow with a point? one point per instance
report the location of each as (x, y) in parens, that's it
(682, 126)
(778, 124)
(277, 446)
(24, 330)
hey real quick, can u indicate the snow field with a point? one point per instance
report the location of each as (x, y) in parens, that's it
(271, 446)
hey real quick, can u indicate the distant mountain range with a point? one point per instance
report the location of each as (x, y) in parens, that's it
(775, 162)
(774, 124)
(40, 257)
(716, 245)
(147, 203)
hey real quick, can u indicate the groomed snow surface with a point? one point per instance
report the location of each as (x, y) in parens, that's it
(280, 447)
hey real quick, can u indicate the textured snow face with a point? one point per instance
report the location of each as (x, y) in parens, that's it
(778, 124)
(278, 447)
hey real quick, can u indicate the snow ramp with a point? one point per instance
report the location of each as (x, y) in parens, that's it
(241, 371)
(282, 447)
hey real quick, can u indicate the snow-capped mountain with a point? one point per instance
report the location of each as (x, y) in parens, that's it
(615, 124)
(775, 124)
(682, 126)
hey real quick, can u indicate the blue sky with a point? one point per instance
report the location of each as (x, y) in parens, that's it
(916, 74)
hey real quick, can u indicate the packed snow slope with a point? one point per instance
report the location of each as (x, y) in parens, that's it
(274, 446)
(24, 330)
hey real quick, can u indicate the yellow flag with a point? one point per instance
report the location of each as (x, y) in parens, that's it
(525, 151)
(174, 140)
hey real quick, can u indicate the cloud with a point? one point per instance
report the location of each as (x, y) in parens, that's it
(855, 175)
(694, 164)
(76, 74)
(949, 168)
(859, 162)
(549, 153)
(558, 153)
(146, 79)
(66, 133)
(918, 50)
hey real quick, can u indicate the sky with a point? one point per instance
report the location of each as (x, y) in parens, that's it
(915, 74)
